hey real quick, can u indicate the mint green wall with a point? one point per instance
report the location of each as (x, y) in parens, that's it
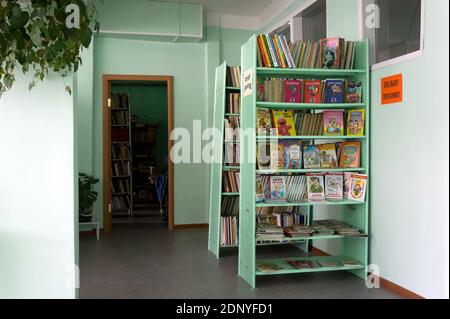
(37, 195)
(343, 19)
(186, 63)
(150, 102)
(231, 41)
(410, 152)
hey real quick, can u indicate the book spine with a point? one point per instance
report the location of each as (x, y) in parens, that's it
(272, 51)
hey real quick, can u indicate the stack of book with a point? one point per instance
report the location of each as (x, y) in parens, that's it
(329, 91)
(333, 226)
(233, 103)
(229, 206)
(331, 53)
(119, 118)
(230, 182)
(234, 76)
(305, 123)
(232, 125)
(273, 51)
(269, 232)
(229, 226)
(298, 231)
(303, 264)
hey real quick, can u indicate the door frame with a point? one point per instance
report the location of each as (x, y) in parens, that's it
(107, 79)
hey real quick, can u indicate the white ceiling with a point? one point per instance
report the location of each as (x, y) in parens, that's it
(251, 8)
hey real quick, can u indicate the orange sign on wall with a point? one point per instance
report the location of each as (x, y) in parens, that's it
(392, 89)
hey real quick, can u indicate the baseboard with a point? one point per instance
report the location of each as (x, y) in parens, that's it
(190, 226)
(384, 283)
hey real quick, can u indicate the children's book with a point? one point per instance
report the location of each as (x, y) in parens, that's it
(328, 158)
(334, 91)
(357, 191)
(263, 156)
(333, 123)
(292, 91)
(284, 123)
(311, 157)
(316, 191)
(263, 121)
(278, 188)
(330, 52)
(350, 155)
(292, 154)
(355, 123)
(312, 91)
(353, 93)
(334, 186)
(260, 90)
(338, 147)
(347, 177)
(276, 155)
(259, 190)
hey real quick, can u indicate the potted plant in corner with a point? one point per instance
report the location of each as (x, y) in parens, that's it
(87, 196)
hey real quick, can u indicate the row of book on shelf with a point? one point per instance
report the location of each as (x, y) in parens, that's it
(120, 186)
(120, 202)
(329, 227)
(121, 169)
(232, 126)
(304, 123)
(233, 76)
(120, 101)
(311, 187)
(294, 155)
(310, 91)
(144, 134)
(230, 182)
(229, 231)
(304, 263)
(233, 103)
(119, 118)
(274, 51)
(120, 134)
(120, 152)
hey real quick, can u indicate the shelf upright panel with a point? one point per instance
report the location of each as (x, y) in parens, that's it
(247, 203)
(358, 216)
(215, 193)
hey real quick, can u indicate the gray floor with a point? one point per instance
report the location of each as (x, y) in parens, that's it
(146, 261)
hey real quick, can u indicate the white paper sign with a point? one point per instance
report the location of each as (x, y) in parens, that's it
(248, 82)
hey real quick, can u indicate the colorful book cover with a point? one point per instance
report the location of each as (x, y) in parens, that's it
(334, 186)
(260, 90)
(355, 122)
(312, 91)
(316, 191)
(259, 190)
(334, 91)
(333, 123)
(292, 154)
(311, 157)
(350, 155)
(278, 188)
(347, 177)
(328, 158)
(263, 156)
(264, 121)
(357, 191)
(353, 93)
(276, 156)
(330, 53)
(284, 123)
(292, 91)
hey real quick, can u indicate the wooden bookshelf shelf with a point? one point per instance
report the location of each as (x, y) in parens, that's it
(316, 137)
(286, 268)
(354, 213)
(222, 112)
(273, 72)
(312, 170)
(309, 106)
(309, 203)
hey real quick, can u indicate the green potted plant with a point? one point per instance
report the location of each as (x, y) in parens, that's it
(87, 196)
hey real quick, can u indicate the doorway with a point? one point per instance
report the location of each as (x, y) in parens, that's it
(137, 170)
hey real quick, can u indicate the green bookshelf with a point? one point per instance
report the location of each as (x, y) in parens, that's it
(354, 213)
(218, 167)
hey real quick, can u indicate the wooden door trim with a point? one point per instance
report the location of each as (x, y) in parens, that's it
(107, 78)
